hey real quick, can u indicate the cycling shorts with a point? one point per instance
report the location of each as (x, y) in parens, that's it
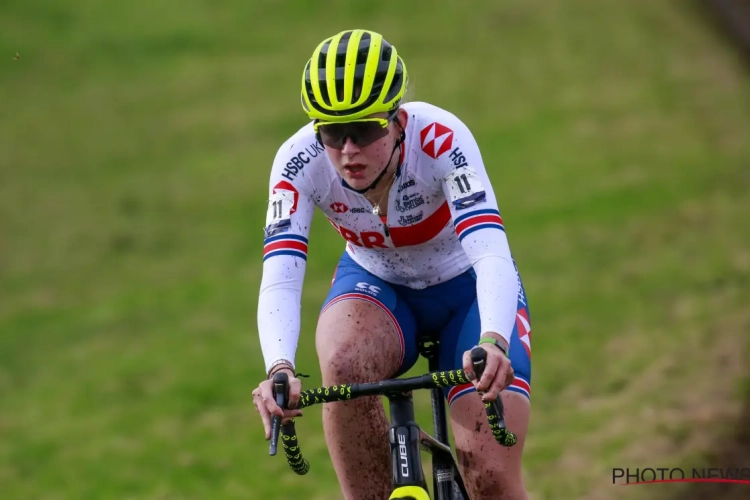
(447, 311)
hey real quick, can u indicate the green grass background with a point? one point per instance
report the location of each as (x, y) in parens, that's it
(136, 140)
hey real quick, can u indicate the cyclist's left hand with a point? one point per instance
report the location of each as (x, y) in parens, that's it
(498, 372)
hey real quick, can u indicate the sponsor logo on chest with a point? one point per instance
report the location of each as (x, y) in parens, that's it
(409, 219)
(409, 202)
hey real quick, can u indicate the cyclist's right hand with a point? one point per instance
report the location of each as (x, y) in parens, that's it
(266, 405)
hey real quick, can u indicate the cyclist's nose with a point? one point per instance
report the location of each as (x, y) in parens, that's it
(350, 147)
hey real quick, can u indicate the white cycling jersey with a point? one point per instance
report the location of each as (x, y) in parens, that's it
(442, 219)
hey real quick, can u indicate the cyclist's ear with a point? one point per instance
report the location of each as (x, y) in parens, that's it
(402, 136)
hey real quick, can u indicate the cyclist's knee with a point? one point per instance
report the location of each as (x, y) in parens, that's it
(490, 478)
(506, 486)
(348, 363)
(357, 341)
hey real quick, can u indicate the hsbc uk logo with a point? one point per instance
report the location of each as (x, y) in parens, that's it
(436, 139)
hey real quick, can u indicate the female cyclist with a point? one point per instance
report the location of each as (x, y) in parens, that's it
(426, 254)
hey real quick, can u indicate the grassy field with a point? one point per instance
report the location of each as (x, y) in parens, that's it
(135, 144)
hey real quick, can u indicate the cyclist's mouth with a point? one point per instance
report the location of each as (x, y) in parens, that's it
(355, 170)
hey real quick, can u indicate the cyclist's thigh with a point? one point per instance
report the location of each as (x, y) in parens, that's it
(364, 327)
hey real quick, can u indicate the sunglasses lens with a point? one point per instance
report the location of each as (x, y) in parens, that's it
(361, 133)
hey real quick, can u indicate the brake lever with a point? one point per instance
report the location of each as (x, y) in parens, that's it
(281, 396)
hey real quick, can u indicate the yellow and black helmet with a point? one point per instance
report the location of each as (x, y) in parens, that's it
(350, 75)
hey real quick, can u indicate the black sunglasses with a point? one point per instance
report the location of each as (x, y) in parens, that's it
(362, 132)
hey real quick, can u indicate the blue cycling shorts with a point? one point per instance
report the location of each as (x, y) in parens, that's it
(447, 311)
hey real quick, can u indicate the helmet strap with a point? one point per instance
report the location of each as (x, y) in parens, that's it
(398, 142)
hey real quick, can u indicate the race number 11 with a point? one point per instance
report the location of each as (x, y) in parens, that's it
(464, 186)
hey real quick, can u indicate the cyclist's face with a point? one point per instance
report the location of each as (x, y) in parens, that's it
(359, 151)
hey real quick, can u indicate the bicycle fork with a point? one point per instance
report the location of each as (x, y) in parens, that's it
(404, 439)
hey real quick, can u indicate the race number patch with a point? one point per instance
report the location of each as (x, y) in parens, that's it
(466, 189)
(281, 206)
